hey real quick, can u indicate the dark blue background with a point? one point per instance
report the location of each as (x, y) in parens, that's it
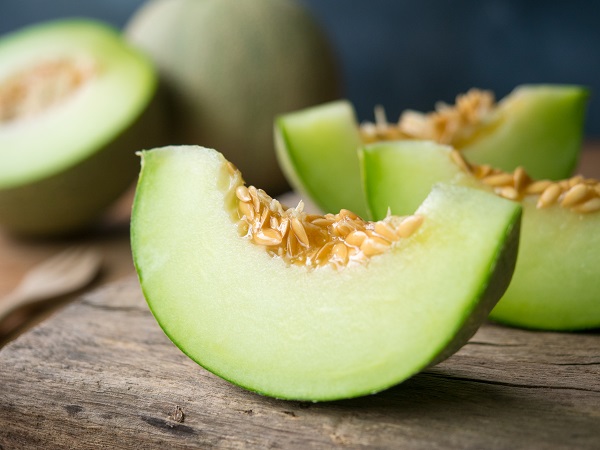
(409, 54)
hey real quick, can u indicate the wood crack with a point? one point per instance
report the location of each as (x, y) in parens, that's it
(514, 385)
(104, 307)
(494, 344)
(592, 363)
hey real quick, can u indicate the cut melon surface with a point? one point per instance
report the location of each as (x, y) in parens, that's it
(539, 127)
(555, 285)
(76, 102)
(121, 82)
(316, 149)
(293, 332)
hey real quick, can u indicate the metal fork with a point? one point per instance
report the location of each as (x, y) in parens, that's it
(61, 274)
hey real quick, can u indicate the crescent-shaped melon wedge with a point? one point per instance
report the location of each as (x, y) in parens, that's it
(292, 305)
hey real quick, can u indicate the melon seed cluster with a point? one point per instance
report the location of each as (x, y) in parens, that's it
(314, 240)
(579, 194)
(41, 86)
(448, 124)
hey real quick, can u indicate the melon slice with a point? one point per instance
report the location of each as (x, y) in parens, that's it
(538, 127)
(76, 102)
(556, 283)
(310, 307)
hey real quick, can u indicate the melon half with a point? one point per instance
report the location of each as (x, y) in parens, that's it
(76, 102)
(309, 307)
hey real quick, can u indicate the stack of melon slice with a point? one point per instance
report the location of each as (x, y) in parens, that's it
(328, 306)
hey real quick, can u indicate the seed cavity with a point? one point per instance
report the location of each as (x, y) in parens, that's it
(409, 225)
(42, 86)
(448, 124)
(300, 232)
(590, 206)
(267, 236)
(498, 179)
(579, 194)
(456, 124)
(242, 193)
(310, 240)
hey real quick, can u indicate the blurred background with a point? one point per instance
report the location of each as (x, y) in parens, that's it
(405, 54)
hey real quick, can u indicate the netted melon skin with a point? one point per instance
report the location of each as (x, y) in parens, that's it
(231, 67)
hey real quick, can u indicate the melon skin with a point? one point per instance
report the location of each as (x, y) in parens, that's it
(555, 285)
(292, 333)
(76, 158)
(230, 67)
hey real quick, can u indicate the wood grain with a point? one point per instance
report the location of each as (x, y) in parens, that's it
(17, 255)
(101, 374)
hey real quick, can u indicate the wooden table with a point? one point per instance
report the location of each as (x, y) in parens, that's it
(100, 373)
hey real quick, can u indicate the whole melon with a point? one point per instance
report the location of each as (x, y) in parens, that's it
(230, 66)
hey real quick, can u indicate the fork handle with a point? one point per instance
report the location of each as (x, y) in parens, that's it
(11, 302)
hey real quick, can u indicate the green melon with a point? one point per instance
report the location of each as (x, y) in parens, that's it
(555, 285)
(538, 127)
(302, 306)
(230, 67)
(76, 102)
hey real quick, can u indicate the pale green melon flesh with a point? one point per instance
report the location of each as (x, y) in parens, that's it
(538, 127)
(74, 129)
(556, 283)
(398, 169)
(293, 333)
(316, 149)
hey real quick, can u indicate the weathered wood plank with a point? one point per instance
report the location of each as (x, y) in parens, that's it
(101, 374)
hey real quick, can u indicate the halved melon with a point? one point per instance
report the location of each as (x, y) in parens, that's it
(310, 307)
(556, 283)
(538, 127)
(76, 102)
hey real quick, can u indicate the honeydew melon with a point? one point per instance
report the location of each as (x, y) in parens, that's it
(556, 283)
(538, 127)
(76, 102)
(230, 66)
(231, 297)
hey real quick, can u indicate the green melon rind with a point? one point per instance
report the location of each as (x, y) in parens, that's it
(77, 158)
(74, 199)
(555, 285)
(160, 254)
(538, 127)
